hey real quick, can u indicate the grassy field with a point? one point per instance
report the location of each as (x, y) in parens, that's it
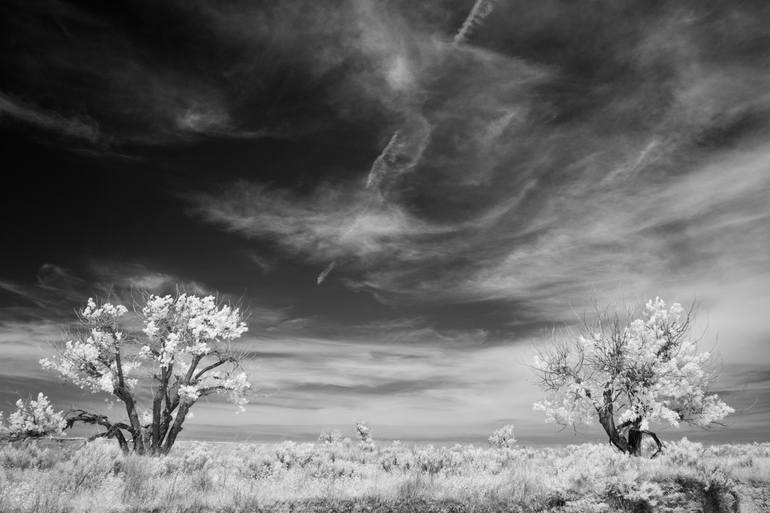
(346, 476)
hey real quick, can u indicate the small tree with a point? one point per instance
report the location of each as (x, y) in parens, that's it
(503, 438)
(32, 419)
(182, 354)
(331, 436)
(366, 442)
(630, 375)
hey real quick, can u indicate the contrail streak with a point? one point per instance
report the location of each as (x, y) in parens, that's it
(402, 153)
(379, 165)
(325, 272)
(481, 9)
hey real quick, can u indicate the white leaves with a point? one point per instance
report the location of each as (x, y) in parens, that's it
(188, 324)
(236, 386)
(332, 436)
(32, 419)
(180, 331)
(366, 442)
(189, 393)
(186, 328)
(90, 361)
(363, 430)
(651, 368)
(100, 314)
(503, 438)
(565, 410)
(150, 329)
(184, 355)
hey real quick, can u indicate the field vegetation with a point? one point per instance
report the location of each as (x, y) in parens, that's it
(342, 475)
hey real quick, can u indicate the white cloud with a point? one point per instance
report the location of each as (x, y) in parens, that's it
(80, 127)
(330, 224)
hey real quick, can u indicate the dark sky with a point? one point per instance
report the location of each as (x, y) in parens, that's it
(408, 196)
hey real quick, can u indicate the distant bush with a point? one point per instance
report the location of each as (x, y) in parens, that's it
(32, 419)
(331, 436)
(503, 438)
(366, 442)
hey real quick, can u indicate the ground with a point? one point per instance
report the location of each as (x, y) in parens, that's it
(347, 476)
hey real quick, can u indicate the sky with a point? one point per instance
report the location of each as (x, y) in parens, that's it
(409, 198)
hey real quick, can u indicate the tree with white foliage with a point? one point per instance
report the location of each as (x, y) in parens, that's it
(630, 375)
(366, 442)
(183, 353)
(32, 419)
(503, 438)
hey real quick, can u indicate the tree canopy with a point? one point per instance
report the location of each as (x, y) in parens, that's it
(182, 353)
(629, 375)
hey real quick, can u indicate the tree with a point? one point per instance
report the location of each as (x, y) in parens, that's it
(32, 419)
(366, 442)
(331, 436)
(630, 375)
(503, 438)
(182, 354)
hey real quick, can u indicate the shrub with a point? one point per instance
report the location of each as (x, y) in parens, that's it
(503, 438)
(366, 442)
(32, 419)
(331, 436)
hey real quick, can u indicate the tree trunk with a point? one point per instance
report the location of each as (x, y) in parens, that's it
(157, 404)
(607, 420)
(113, 430)
(639, 436)
(176, 428)
(123, 393)
(635, 437)
(616, 439)
(121, 441)
(136, 428)
(635, 441)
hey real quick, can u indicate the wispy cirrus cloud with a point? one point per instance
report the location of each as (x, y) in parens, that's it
(79, 127)
(518, 189)
(111, 88)
(56, 292)
(330, 224)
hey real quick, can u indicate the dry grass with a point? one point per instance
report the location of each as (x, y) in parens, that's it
(200, 477)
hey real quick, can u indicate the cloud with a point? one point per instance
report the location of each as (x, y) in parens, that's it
(626, 158)
(127, 277)
(56, 292)
(351, 376)
(265, 265)
(521, 190)
(79, 127)
(481, 9)
(202, 119)
(373, 221)
(330, 224)
(107, 84)
(328, 269)
(402, 153)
